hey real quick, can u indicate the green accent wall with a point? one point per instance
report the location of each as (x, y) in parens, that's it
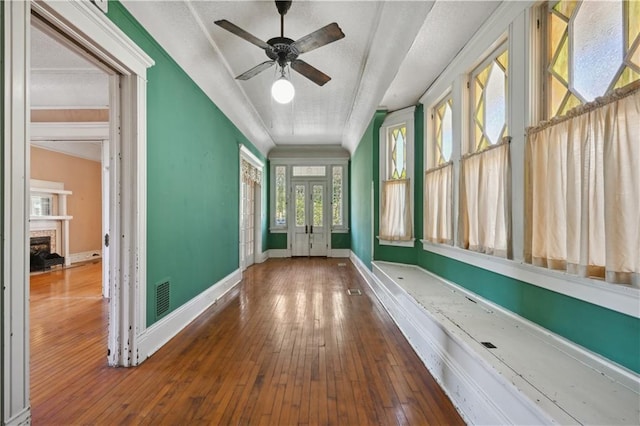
(192, 181)
(278, 241)
(609, 333)
(340, 240)
(362, 172)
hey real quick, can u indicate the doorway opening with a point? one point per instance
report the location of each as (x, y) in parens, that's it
(251, 171)
(69, 198)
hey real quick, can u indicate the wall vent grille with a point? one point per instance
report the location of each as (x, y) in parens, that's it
(163, 300)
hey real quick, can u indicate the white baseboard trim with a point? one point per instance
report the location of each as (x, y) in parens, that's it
(22, 418)
(261, 257)
(477, 394)
(279, 253)
(154, 337)
(85, 255)
(339, 253)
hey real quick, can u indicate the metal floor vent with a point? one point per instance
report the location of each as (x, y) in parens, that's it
(354, 292)
(163, 301)
(488, 345)
(341, 265)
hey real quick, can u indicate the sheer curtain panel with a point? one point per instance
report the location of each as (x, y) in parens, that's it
(583, 190)
(438, 202)
(485, 210)
(395, 221)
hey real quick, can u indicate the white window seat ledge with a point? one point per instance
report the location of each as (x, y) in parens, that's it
(531, 376)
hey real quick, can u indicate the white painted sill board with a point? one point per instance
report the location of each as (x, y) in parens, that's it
(582, 387)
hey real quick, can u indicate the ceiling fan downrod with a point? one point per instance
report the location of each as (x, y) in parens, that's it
(283, 8)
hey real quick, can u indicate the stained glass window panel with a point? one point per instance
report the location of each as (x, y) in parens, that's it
(597, 47)
(281, 195)
(337, 196)
(443, 128)
(300, 205)
(491, 106)
(598, 51)
(398, 164)
(317, 195)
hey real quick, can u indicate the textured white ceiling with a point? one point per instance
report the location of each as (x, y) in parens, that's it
(61, 78)
(393, 51)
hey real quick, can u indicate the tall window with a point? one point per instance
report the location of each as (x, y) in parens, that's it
(396, 161)
(438, 180)
(280, 173)
(593, 48)
(337, 219)
(485, 198)
(583, 169)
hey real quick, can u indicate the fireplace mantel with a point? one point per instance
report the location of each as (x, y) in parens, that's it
(58, 221)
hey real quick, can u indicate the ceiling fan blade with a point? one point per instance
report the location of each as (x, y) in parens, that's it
(255, 70)
(325, 35)
(233, 28)
(312, 73)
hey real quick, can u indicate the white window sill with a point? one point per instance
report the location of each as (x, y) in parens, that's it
(409, 243)
(619, 298)
(340, 231)
(278, 230)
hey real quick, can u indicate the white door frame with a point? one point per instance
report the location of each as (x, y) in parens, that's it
(83, 23)
(308, 183)
(250, 158)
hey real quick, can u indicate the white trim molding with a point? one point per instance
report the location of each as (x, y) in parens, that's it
(69, 131)
(339, 253)
(154, 337)
(15, 226)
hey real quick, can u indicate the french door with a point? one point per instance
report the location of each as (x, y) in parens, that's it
(309, 224)
(247, 224)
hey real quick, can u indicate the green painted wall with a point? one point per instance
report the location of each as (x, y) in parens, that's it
(278, 241)
(362, 173)
(340, 241)
(192, 181)
(609, 333)
(614, 335)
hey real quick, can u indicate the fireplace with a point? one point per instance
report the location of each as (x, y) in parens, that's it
(41, 257)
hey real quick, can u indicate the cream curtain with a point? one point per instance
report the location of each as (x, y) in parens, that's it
(395, 220)
(583, 191)
(485, 210)
(438, 202)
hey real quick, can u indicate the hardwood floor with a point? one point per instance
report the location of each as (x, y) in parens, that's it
(291, 348)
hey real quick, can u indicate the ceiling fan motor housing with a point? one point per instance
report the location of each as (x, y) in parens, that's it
(283, 51)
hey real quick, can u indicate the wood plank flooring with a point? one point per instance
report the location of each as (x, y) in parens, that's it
(290, 348)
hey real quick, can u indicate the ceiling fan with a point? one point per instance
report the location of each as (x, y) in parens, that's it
(284, 51)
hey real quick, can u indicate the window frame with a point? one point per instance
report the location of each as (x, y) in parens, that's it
(273, 227)
(404, 116)
(470, 144)
(432, 140)
(328, 163)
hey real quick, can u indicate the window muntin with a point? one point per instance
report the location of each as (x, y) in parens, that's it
(337, 196)
(443, 129)
(489, 84)
(592, 49)
(281, 195)
(397, 142)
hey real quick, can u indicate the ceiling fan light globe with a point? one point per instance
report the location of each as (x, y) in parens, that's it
(282, 91)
